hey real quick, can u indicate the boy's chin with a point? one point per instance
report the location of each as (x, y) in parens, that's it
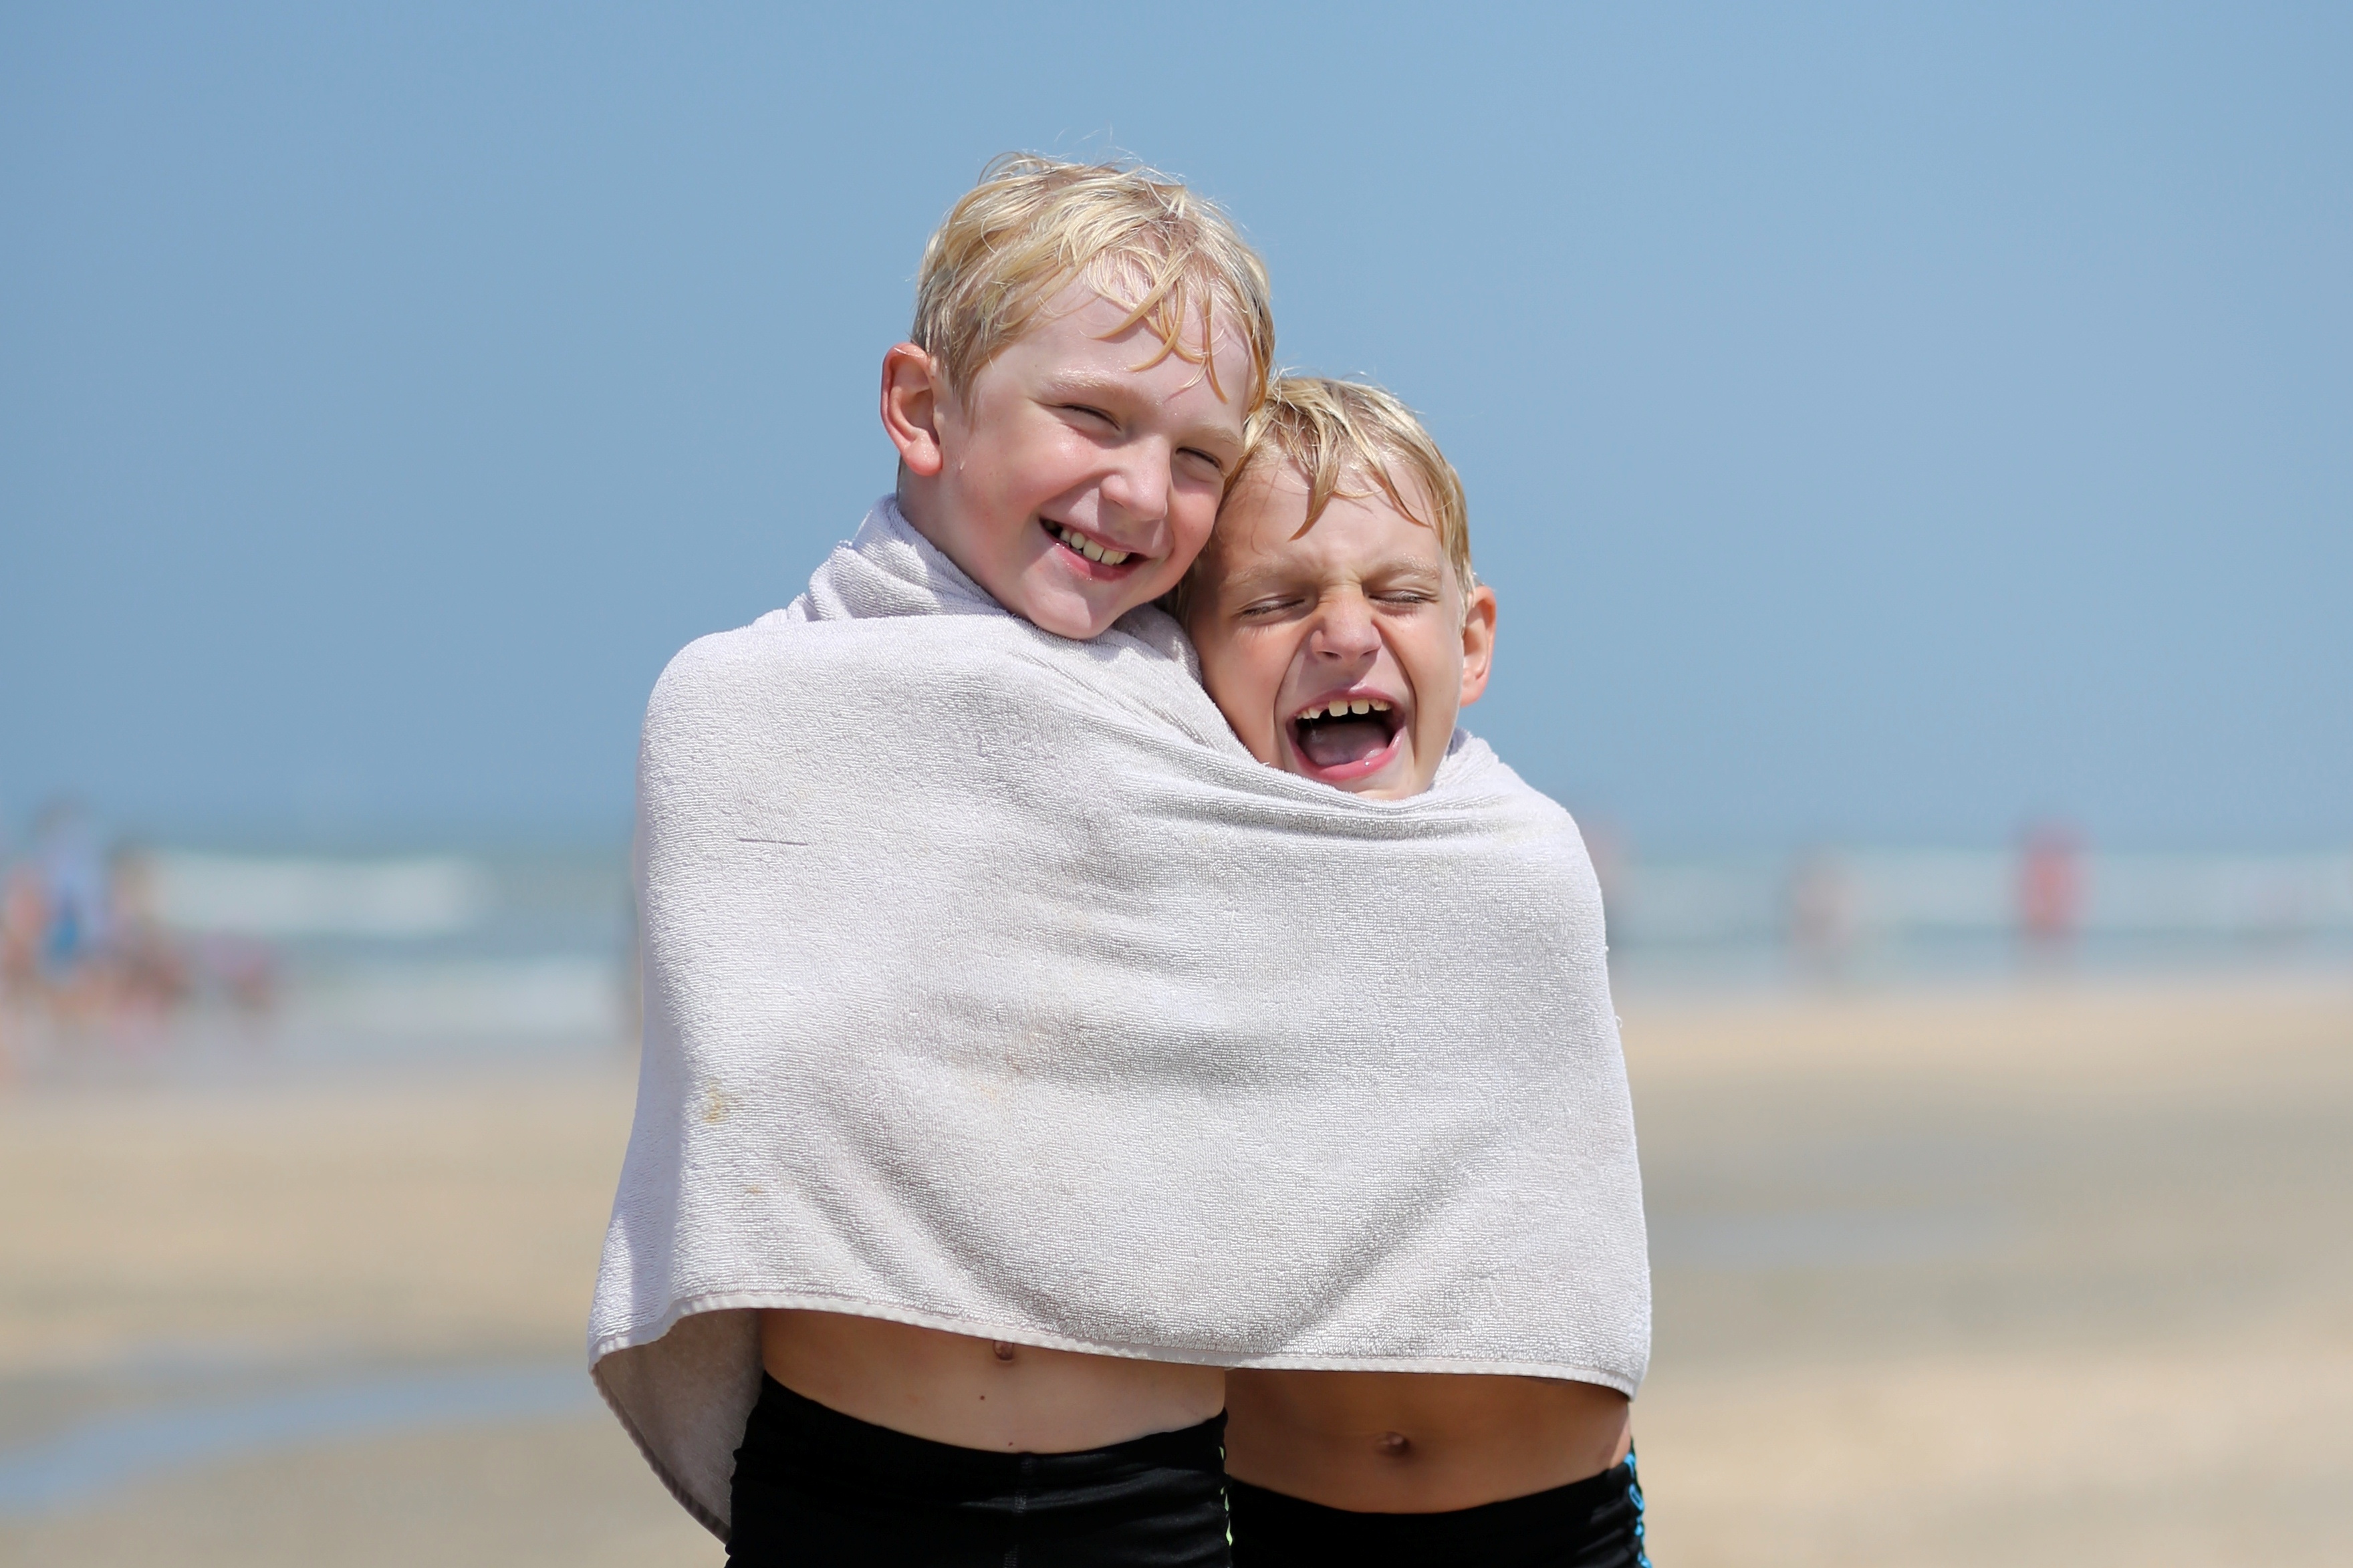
(1049, 600)
(1384, 787)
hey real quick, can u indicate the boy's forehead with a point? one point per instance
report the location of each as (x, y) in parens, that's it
(1270, 501)
(1085, 331)
(1264, 526)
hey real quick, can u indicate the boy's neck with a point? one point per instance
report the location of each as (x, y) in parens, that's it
(917, 508)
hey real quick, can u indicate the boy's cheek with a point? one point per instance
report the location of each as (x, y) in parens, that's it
(1199, 501)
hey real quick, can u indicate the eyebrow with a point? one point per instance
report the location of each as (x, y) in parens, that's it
(1083, 383)
(1111, 389)
(1395, 568)
(1405, 566)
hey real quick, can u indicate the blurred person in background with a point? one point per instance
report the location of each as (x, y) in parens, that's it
(1822, 914)
(70, 885)
(83, 942)
(144, 973)
(23, 922)
(2050, 890)
(19, 919)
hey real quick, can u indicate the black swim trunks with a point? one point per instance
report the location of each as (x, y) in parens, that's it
(1593, 1524)
(816, 1488)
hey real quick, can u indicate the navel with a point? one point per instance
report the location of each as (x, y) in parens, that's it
(1393, 1444)
(1004, 1351)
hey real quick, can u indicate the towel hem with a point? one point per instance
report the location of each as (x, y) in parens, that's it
(821, 1301)
(662, 1472)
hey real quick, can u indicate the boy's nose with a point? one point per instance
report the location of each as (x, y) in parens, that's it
(1138, 483)
(1345, 630)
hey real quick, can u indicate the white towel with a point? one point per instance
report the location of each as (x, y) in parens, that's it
(992, 987)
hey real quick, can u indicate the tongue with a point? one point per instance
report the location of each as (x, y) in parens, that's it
(1337, 741)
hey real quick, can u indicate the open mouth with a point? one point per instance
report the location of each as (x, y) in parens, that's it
(1101, 558)
(1346, 737)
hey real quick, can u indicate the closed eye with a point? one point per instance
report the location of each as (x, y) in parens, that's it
(1091, 413)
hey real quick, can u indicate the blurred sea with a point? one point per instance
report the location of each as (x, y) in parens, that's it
(425, 960)
(512, 956)
(1905, 916)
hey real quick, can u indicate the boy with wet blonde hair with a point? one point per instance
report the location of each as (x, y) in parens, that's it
(1089, 343)
(1344, 548)
(1340, 630)
(1032, 224)
(1339, 437)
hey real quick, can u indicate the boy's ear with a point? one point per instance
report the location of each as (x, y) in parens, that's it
(912, 391)
(1478, 642)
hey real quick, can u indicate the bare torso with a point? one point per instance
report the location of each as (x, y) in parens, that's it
(979, 1394)
(1382, 1442)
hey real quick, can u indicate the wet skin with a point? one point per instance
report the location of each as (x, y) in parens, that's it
(1074, 479)
(981, 1394)
(1388, 1442)
(1363, 607)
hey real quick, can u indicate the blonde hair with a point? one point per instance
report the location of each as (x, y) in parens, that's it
(1142, 240)
(1332, 431)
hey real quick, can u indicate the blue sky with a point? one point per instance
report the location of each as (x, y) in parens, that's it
(1882, 423)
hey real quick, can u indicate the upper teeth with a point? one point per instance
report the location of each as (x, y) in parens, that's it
(1088, 548)
(1346, 707)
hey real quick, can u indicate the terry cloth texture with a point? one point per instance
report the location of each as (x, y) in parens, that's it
(992, 987)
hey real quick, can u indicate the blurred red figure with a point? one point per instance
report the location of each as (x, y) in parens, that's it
(2049, 887)
(1821, 913)
(24, 916)
(23, 920)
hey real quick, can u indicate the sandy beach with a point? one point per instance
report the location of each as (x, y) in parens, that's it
(2033, 1277)
(2028, 1274)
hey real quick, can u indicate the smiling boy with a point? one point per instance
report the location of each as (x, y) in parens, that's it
(1340, 630)
(1088, 344)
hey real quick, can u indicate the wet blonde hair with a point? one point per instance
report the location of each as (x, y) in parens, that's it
(1339, 432)
(1141, 239)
